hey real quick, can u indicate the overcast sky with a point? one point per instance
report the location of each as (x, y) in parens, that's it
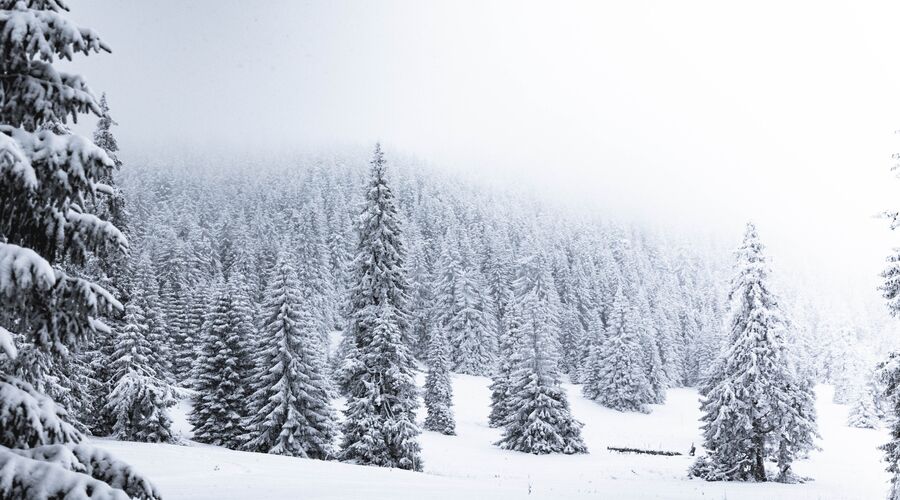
(696, 115)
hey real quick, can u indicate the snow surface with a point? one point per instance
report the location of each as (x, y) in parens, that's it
(469, 467)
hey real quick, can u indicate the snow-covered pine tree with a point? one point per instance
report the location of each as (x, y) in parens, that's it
(313, 270)
(48, 181)
(501, 293)
(500, 379)
(222, 369)
(863, 412)
(756, 407)
(583, 314)
(421, 306)
(615, 375)
(539, 420)
(472, 332)
(195, 319)
(113, 207)
(438, 386)
(290, 412)
(65, 378)
(380, 427)
(890, 286)
(140, 396)
(649, 335)
(845, 365)
(145, 291)
(889, 374)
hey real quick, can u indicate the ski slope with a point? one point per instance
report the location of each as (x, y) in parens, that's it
(468, 467)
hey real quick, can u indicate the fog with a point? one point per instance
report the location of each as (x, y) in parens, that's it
(689, 116)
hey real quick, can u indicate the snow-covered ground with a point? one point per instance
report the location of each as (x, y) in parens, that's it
(469, 467)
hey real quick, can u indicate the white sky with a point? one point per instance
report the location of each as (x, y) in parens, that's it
(689, 114)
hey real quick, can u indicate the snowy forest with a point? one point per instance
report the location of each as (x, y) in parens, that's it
(356, 322)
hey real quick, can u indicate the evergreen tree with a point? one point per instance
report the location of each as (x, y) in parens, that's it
(313, 269)
(49, 181)
(145, 293)
(195, 320)
(438, 387)
(890, 287)
(500, 380)
(615, 372)
(889, 373)
(755, 407)
(863, 408)
(502, 296)
(138, 403)
(221, 372)
(139, 397)
(422, 310)
(471, 329)
(380, 427)
(539, 421)
(290, 412)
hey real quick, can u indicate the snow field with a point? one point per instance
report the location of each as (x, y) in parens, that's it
(469, 467)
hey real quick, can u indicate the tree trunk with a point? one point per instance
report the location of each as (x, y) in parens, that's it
(758, 471)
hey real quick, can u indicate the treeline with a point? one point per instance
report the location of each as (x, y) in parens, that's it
(632, 315)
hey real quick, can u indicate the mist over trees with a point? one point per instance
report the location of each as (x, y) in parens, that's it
(326, 304)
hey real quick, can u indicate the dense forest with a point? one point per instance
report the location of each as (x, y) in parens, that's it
(262, 293)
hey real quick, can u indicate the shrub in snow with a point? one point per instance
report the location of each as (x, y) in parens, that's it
(380, 427)
(755, 407)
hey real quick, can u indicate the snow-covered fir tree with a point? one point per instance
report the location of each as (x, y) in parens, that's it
(51, 178)
(380, 427)
(615, 375)
(472, 332)
(889, 374)
(500, 378)
(438, 387)
(755, 407)
(421, 296)
(290, 412)
(145, 293)
(863, 413)
(139, 396)
(223, 368)
(890, 286)
(845, 366)
(539, 419)
(314, 269)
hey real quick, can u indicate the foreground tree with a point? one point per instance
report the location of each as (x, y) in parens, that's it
(539, 420)
(380, 427)
(756, 408)
(47, 179)
(290, 411)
